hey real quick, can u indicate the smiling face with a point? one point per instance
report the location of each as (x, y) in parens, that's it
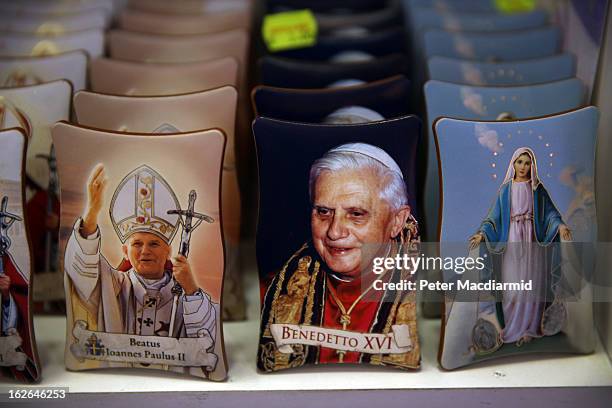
(147, 253)
(350, 223)
(522, 168)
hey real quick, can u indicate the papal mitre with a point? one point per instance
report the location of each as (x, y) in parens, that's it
(141, 203)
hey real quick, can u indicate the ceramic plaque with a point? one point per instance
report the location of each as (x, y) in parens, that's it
(19, 358)
(142, 250)
(322, 299)
(425, 18)
(189, 7)
(24, 71)
(493, 47)
(55, 24)
(286, 73)
(138, 47)
(513, 73)
(140, 79)
(489, 103)
(24, 45)
(39, 107)
(519, 208)
(158, 115)
(388, 97)
(156, 23)
(350, 49)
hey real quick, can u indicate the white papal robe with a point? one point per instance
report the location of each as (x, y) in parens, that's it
(124, 302)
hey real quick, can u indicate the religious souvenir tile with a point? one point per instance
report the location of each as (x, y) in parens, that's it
(452, 6)
(23, 71)
(347, 205)
(358, 24)
(493, 47)
(23, 45)
(171, 114)
(186, 7)
(513, 73)
(29, 7)
(488, 103)
(142, 249)
(139, 47)
(37, 107)
(287, 73)
(351, 49)
(44, 24)
(18, 355)
(157, 23)
(148, 79)
(389, 97)
(426, 18)
(517, 236)
(326, 6)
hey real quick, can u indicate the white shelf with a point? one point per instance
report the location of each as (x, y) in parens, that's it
(538, 380)
(541, 371)
(552, 370)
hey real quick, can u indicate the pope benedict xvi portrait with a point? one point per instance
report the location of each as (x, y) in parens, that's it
(359, 211)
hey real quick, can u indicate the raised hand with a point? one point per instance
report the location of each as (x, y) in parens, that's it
(96, 185)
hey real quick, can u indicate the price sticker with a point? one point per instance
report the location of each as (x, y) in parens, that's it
(515, 6)
(290, 30)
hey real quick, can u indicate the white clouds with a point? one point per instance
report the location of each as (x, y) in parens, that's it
(488, 138)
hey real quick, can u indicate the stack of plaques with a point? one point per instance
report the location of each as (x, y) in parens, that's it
(336, 143)
(482, 64)
(45, 47)
(156, 120)
(515, 104)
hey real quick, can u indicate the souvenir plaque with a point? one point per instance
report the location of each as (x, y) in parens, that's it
(358, 24)
(24, 71)
(38, 107)
(488, 103)
(287, 73)
(324, 300)
(18, 355)
(389, 97)
(128, 46)
(182, 113)
(140, 79)
(142, 249)
(24, 45)
(425, 18)
(453, 6)
(518, 222)
(327, 6)
(43, 24)
(514, 73)
(350, 49)
(189, 7)
(23, 7)
(156, 23)
(493, 47)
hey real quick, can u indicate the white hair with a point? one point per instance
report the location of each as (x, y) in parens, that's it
(393, 189)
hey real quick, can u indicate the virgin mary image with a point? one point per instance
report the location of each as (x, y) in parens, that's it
(519, 233)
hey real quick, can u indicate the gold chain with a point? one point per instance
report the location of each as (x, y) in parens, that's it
(345, 319)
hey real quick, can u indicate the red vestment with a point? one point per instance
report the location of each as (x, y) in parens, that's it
(19, 292)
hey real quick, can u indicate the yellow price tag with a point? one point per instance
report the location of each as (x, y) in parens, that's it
(289, 30)
(515, 6)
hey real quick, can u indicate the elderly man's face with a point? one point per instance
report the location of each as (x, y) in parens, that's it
(147, 253)
(350, 222)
